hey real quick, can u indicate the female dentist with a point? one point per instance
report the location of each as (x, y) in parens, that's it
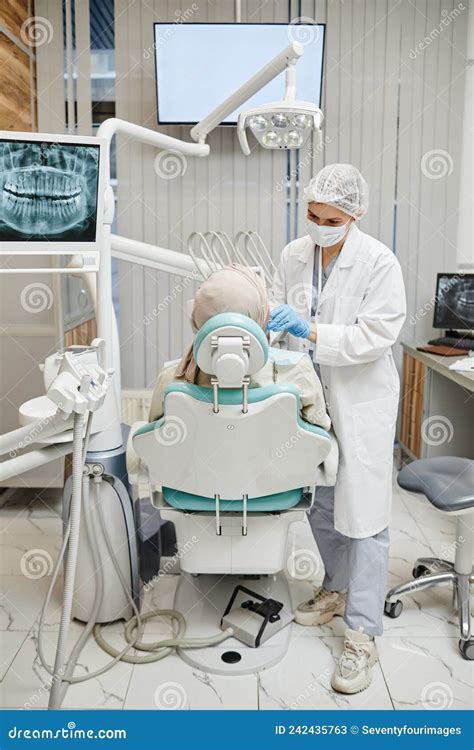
(341, 298)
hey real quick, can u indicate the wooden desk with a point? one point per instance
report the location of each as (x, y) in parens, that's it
(437, 407)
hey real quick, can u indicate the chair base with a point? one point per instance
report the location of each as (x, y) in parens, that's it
(203, 599)
(429, 572)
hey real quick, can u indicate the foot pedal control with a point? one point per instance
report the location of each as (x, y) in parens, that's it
(254, 618)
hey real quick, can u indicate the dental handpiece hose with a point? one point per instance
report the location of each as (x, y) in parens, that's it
(71, 560)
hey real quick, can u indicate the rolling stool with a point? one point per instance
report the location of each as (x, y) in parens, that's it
(448, 483)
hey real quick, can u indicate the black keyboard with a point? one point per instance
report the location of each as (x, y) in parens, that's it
(454, 342)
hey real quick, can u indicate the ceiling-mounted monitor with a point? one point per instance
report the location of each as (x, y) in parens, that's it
(198, 65)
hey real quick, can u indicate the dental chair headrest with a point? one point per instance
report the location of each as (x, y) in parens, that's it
(230, 346)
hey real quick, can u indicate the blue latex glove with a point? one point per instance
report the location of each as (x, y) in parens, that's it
(284, 318)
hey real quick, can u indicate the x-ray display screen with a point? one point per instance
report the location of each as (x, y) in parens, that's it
(48, 191)
(454, 301)
(198, 65)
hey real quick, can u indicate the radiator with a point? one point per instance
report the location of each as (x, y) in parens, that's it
(135, 405)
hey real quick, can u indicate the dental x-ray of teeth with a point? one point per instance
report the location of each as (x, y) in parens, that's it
(455, 301)
(48, 191)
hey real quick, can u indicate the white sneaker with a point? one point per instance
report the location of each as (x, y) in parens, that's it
(321, 608)
(353, 671)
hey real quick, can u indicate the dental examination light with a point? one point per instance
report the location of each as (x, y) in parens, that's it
(285, 124)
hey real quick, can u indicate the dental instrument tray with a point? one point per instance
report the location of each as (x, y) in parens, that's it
(253, 617)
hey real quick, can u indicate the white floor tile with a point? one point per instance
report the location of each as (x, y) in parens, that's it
(29, 555)
(172, 684)
(426, 673)
(27, 682)
(21, 600)
(302, 680)
(10, 643)
(418, 650)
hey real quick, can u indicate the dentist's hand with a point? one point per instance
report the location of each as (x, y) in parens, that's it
(284, 318)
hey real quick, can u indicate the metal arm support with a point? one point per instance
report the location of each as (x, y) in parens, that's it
(288, 56)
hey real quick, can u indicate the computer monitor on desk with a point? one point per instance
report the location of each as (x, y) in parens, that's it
(454, 310)
(454, 306)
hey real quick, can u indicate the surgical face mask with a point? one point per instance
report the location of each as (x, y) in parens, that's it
(326, 236)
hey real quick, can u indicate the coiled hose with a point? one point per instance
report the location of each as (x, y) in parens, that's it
(62, 673)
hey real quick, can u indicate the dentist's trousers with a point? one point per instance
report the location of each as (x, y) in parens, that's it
(356, 566)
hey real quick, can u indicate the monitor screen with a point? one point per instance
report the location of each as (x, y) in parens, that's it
(198, 65)
(454, 307)
(48, 191)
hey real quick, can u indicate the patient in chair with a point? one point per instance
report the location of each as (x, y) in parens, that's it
(238, 289)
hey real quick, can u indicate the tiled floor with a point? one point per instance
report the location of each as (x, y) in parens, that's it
(419, 667)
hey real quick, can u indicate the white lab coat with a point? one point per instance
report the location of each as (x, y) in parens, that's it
(359, 316)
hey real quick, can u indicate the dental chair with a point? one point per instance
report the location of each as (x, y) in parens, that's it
(232, 467)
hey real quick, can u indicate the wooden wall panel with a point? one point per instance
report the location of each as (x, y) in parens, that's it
(17, 70)
(15, 92)
(13, 13)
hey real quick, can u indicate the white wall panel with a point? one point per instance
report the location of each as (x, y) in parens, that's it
(384, 107)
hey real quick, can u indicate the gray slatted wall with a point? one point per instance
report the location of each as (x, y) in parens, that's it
(384, 109)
